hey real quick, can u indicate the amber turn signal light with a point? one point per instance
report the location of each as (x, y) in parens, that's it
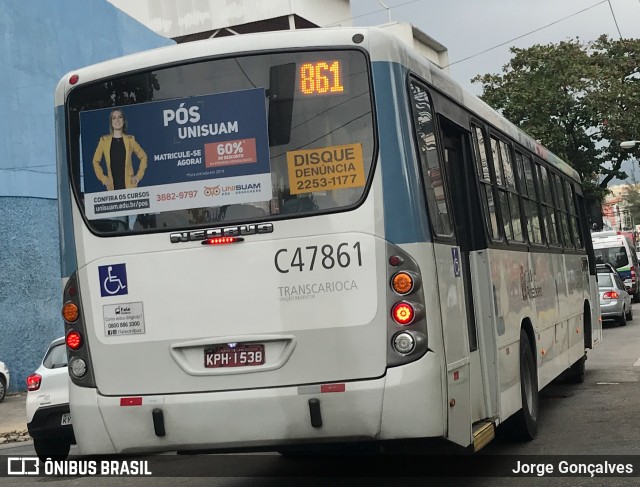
(402, 283)
(70, 312)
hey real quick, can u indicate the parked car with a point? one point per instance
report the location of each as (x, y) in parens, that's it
(48, 414)
(4, 380)
(615, 301)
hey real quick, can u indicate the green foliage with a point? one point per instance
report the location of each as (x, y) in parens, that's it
(579, 99)
(632, 202)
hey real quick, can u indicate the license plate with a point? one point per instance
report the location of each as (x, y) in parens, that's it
(238, 356)
(66, 419)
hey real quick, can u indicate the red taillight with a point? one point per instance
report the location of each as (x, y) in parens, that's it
(33, 382)
(222, 240)
(403, 313)
(74, 79)
(633, 274)
(610, 295)
(74, 340)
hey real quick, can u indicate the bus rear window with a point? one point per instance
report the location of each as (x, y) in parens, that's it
(222, 141)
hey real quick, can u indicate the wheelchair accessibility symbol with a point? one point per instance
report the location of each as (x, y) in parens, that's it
(113, 280)
(455, 256)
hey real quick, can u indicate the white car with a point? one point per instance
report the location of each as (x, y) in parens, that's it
(4, 380)
(48, 415)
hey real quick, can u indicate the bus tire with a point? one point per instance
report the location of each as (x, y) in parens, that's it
(577, 371)
(54, 448)
(525, 421)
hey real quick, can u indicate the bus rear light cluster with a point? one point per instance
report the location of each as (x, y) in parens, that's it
(407, 327)
(78, 349)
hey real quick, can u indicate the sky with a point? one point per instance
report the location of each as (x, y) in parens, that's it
(468, 27)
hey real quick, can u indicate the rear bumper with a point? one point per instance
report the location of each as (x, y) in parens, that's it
(611, 309)
(262, 418)
(46, 423)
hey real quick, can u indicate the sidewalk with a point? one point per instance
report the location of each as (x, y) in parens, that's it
(13, 422)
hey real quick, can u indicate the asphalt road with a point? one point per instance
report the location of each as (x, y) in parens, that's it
(598, 417)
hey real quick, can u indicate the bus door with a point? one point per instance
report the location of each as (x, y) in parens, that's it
(460, 325)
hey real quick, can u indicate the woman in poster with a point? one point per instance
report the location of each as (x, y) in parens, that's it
(117, 149)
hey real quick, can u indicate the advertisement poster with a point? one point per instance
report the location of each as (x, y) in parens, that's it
(178, 154)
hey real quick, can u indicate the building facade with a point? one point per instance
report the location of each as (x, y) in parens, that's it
(43, 40)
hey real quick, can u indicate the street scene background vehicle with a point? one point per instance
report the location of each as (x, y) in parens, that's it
(47, 406)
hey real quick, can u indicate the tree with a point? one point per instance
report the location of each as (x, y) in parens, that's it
(579, 99)
(632, 202)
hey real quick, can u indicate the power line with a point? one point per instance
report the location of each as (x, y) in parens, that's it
(526, 34)
(615, 20)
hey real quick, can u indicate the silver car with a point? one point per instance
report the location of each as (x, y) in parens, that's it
(615, 302)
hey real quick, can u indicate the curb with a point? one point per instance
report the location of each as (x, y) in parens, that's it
(14, 437)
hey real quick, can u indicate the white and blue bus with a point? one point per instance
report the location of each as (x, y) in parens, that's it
(309, 237)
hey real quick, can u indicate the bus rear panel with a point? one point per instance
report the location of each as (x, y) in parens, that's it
(238, 293)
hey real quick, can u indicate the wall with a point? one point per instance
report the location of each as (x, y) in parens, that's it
(30, 294)
(42, 41)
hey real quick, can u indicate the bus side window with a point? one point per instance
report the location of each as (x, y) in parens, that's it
(486, 187)
(432, 177)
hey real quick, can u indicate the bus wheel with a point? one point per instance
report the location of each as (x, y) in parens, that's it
(525, 421)
(53, 448)
(576, 372)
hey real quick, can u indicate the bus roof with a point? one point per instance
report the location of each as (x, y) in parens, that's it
(381, 45)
